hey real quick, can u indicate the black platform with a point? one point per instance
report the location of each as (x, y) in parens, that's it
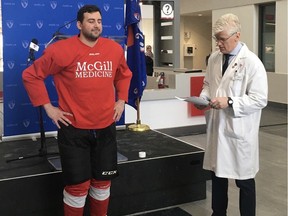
(170, 174)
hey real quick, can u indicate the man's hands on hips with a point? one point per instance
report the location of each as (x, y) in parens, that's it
(57, 115)
(118, 109)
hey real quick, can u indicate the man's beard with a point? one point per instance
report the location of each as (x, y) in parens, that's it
(90, 36)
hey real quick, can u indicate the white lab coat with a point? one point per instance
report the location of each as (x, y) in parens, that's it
(232, 149)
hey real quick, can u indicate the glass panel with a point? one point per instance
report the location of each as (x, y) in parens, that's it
(267, 36)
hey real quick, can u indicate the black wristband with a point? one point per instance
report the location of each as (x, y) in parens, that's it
(230, 102)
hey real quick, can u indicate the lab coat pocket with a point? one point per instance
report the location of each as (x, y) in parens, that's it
(237, 83)
(235, 128)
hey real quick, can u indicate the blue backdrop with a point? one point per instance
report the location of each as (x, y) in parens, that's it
(24, 20)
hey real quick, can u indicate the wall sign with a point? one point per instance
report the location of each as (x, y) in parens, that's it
(167, 10)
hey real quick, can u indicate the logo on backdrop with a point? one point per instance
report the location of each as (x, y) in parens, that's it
(80, 5)
(25, 44)
(26, 123)
(24, 3)
(106, 7)
(67, 24)
(39, 24)
(53, 4)
(9, 23)
(11, 104)
(11, 64)
(118, 26)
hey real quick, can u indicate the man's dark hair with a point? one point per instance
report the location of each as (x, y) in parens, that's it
(86, 9)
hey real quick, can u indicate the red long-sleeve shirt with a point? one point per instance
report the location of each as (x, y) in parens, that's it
(86, 79)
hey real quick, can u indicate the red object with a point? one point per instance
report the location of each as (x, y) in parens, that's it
(73, 195)
(99, 207)
(196, 84)
(86, 83)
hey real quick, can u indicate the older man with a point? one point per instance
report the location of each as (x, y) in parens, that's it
(236, 85)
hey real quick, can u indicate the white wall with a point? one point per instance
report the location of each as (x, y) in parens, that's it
(160, 114)
(247, 10)
(191, 6)
(148, 24)
(200, 29)
(281, 42)
(147, 28)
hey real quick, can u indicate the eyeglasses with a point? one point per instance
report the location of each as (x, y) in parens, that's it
(222, 40)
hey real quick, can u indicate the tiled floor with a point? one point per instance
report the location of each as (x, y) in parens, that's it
(271, 181)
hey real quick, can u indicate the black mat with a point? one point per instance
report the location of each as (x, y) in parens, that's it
(155, 145)
(168, 212)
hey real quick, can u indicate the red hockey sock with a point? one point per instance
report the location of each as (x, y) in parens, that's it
(74, 199)
(99, 197)
(72, 211)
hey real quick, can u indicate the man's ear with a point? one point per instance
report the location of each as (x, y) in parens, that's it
(238, 35)
(79, 25)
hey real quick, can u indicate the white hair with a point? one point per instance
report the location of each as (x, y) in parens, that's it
(228, 22)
